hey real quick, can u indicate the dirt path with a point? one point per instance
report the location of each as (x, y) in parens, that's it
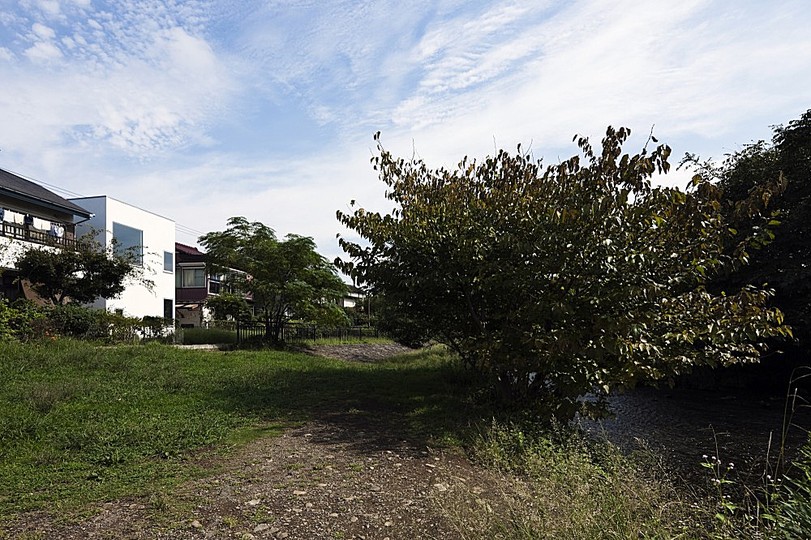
(362, 352)
(342, 476)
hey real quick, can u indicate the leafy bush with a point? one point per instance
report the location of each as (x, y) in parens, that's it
(24, 321)
(157, 328)
(122, 329)
(564, 281)
(79, 322)
(21, 320)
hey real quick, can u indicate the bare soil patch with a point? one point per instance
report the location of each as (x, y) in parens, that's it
(365, 352)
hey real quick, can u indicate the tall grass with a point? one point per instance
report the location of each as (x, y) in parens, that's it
(559, 485)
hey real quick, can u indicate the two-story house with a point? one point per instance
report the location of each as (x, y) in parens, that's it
(196, 282)
(147, 235)
(32, 216)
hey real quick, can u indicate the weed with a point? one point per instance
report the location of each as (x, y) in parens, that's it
(44, 395)
(557, 484)
(261, 515)
(230, 521)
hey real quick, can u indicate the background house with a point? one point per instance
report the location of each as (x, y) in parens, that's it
(191, 286)
(31, 215)
(195, 282)
(152, 238)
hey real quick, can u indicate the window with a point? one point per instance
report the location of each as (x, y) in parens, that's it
(215, 283)
(190, 277)
(129, 242)
(168, 308)
(168, 261)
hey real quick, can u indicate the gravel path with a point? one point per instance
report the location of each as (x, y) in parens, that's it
(322, 480)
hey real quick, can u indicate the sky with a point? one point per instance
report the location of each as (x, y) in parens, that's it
(201, 110)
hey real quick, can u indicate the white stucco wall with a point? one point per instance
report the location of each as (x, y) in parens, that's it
(11, 248)
(158, 237)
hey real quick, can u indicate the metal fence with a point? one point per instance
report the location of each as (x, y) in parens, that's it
(301, 332)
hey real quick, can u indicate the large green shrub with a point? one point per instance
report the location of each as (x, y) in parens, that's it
(21, 320)
(79, 322)
(563, 281)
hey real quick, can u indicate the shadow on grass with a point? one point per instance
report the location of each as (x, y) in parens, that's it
(423, 398)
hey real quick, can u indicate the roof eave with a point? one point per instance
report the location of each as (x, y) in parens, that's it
(77, 211)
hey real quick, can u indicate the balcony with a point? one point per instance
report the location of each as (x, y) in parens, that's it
(36, 236)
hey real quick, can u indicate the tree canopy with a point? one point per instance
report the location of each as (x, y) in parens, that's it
(761, 171)
(285, 278)
(79, 275)
(564, 281)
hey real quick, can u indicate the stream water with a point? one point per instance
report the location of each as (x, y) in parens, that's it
(685, 424)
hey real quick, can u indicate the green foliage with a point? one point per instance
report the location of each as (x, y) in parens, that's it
(229, 306)
(25, 321)
(157, 328)
(78, 322)
(563, 281)
(285, 278)
(81, 275)
(21, 320)
(792, 511)
(776, 174)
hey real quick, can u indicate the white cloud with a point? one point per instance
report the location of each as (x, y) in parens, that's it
(147, 89)
(139, 81)
(43, 32)
(49, 7)
(598, 63)
(43, 51)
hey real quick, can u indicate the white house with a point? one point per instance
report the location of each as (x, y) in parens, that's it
(152, 238)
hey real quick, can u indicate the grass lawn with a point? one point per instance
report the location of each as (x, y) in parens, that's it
(80, 423)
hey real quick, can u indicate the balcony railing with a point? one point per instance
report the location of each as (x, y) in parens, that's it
(28, 234)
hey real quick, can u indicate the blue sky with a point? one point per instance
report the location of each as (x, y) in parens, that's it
(202, 110)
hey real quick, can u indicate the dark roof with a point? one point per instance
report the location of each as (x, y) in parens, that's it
(19, 188)
(187, 250)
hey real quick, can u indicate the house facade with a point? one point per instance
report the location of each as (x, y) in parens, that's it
(32, 216)
(195, 282)
(191, 286)
(147, 236)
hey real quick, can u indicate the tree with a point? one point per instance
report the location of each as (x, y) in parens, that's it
(229, 306)
(286, 278)
(560, 282)
(79, 275)
(783, 261)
